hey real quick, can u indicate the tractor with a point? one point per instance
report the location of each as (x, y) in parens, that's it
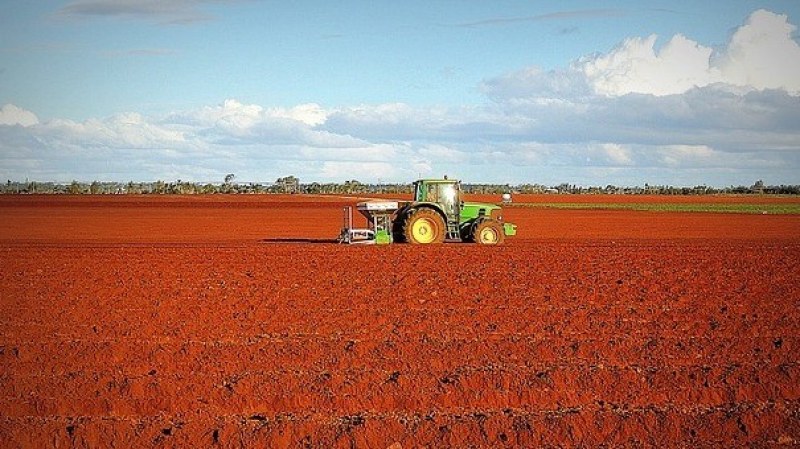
(436, 214)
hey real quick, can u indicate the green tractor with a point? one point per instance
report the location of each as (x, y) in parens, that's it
(436, 214)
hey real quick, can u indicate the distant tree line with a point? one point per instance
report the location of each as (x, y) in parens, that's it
(292, 185)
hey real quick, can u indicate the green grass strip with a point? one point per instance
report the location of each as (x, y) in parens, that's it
(771, 209)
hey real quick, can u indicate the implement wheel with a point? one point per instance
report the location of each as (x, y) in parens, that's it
(488, 232)
(424, 226)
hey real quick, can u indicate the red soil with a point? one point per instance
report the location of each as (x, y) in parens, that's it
(180, 322)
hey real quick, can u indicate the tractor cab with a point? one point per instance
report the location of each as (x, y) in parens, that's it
(444, 193)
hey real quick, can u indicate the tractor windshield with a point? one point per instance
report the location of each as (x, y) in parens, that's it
(448, 198)
(445, 194)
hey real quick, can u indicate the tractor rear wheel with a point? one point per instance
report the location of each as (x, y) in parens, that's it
(424, 226)
(488, 232)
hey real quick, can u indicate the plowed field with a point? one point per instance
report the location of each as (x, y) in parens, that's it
(236, 322)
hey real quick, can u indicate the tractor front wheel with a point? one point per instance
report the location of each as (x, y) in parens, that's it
(488, 232)
(424, 226)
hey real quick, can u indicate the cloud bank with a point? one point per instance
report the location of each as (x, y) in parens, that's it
(679, 114)
(761, 55)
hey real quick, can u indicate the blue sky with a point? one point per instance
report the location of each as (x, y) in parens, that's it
(624, 93)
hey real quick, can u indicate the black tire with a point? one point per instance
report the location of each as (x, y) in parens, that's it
(466, 234)
(488, 232)
(424, 226)
(397, 229)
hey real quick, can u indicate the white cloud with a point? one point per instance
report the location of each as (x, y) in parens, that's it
(129, 130)
(236, 116)
(311, 114)
(234, 122)
(231, 115)
(635, 67)
(688, 155)
(617, 154)
(13, 115)
(761, 54)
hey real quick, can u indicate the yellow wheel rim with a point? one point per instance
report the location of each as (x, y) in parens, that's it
(424, 230)
(488, 236)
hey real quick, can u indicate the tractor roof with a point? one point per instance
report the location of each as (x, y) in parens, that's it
(438, 180)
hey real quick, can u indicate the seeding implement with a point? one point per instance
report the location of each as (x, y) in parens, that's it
(436, 214)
